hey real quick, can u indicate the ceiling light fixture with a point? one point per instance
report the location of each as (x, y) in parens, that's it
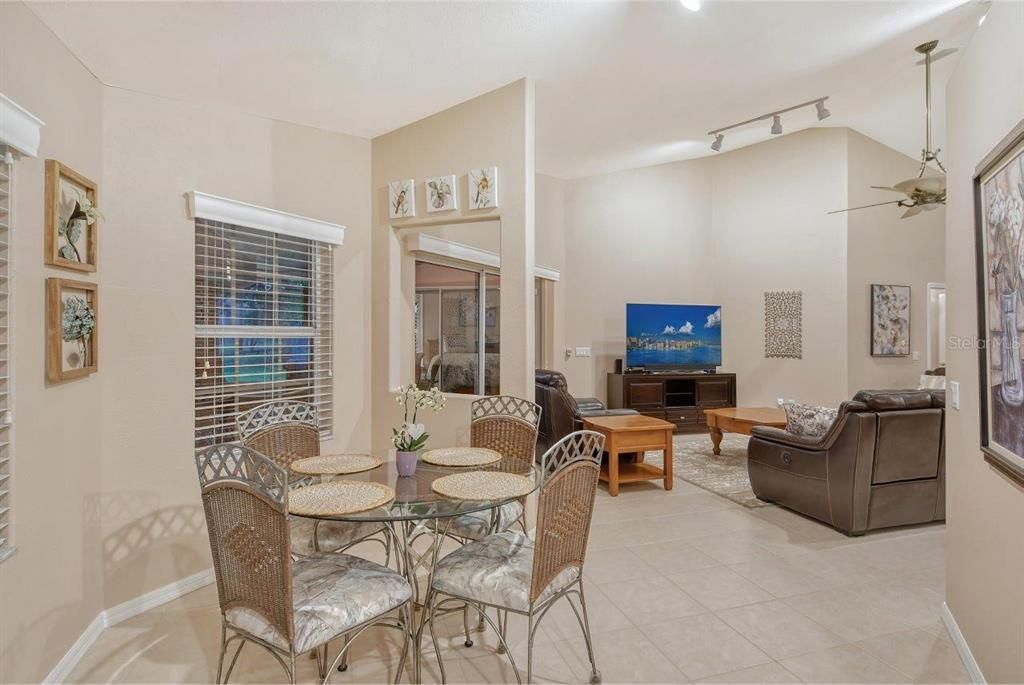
(776, 118)
(692, 5)
(823, 113)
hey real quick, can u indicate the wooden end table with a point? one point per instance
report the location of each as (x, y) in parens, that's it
(741, 420)
(633, 434)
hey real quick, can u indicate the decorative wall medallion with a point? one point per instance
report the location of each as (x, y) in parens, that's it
(783, 324)
(71, 329)
(70, 218)
(441, 195)
(483, 188)
(401, 199)
(890, 320)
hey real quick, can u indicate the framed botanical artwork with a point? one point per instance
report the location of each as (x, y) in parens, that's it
(483, 188)
(70, 219)
(401, 199)
(71, 329)
(890, 320)
(999, 220)
(441, 195)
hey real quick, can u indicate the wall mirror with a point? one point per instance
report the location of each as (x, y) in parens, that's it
(936, 355)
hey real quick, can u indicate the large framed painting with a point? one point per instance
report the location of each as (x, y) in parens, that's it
(70, 219)
(71, 329)
(890, 320)
(999, 232)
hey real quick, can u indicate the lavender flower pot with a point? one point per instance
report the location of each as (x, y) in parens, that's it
(406, 462)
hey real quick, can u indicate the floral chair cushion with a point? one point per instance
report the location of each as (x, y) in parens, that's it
(478, 524)
(496, 570)
(332, 594)
(332, 535)
(808, 420)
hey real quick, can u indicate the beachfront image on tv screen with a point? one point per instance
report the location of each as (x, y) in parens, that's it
(673, 336)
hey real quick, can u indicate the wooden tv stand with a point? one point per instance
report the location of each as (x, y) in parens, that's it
(677, 397)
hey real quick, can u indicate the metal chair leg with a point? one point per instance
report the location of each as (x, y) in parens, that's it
(529, 647)
(595, 675)
(502, 630)
(343, 666)
(465, 625)
(223, 648)
(431, 606)
(231, 666)
(406, 619)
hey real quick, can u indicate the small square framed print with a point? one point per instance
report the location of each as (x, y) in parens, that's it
(71, 329)
(71, 219)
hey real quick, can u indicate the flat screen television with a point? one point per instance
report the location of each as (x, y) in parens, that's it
(673, 336)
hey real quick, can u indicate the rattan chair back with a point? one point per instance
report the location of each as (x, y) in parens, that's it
(245, 500)
(505, 424)
(570, 471)
(284, 430)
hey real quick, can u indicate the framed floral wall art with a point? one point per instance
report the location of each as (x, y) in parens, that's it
(71, 329)
(999, 236)
(483, 188)
(441, 194)
(401, 199)
(71, 218)
(890, 320)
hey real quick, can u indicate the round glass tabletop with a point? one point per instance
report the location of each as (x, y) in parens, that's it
(415, 497)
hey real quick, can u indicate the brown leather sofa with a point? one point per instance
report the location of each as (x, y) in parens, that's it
(881, 464)
(561, 413)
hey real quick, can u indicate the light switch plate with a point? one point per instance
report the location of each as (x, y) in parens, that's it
(582, 351)
(954, 395)
(916, 356)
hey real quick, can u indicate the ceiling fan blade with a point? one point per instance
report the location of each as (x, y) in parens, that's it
(887, 188)
(916, 209)
(932, 205)
(929, 185)
(877, 204)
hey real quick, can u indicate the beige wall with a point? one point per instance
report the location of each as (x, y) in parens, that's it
(107, 504)
(725, 229)
(452, 142)
(551, 251)
(883, 248)
(984, 510)
(51, 588)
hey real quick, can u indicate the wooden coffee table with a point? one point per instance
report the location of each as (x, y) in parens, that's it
(633, 434)
(741, 420)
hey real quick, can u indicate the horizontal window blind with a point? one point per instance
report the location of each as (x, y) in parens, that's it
(6, 173)
(264, 305)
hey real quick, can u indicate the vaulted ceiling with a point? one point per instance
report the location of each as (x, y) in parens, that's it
(619, 84)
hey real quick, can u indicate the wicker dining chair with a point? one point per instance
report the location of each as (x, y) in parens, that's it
(288, 607)
(513, 572)
(285, 431)
(508, 425)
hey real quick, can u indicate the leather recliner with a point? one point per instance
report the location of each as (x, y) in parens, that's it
(561, 413)
(881, 464)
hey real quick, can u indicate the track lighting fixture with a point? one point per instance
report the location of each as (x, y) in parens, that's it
(823, 113)
(776, 118)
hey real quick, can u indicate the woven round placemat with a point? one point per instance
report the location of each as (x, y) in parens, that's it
(338, 497)
(483, 485)
(461, 456)
(336, 464)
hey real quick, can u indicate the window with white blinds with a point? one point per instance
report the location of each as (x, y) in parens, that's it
(264, 304)
(6, 174)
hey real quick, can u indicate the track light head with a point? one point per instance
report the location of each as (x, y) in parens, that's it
(692, 5)
(823, 112)
(776, 125)
(717, 144)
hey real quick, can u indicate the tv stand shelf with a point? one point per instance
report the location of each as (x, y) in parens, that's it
(678, 397)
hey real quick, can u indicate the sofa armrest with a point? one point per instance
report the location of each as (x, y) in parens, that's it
(783, 437)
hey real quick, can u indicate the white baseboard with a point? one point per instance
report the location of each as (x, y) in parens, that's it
(122, 612)
(962, 648)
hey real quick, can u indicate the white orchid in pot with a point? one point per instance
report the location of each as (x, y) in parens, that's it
(411, 437)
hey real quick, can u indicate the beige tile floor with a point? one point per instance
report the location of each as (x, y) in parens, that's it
(683, 586)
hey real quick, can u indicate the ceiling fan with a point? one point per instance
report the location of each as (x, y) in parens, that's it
(923, 193)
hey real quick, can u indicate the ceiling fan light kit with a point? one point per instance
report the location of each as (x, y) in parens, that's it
(776, 118)
(923, 193)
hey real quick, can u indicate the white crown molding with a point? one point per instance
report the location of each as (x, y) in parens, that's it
(962, 648)
(214, 208)
(122, 612)
(19, 128)
(428, 244)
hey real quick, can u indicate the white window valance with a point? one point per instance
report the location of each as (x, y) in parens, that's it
(214, 208)
(19, 129)
(439, 247)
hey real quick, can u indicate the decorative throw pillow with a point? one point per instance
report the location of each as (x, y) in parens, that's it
(808, 420)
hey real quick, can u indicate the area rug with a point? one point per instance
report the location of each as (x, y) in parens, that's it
(725, 475)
